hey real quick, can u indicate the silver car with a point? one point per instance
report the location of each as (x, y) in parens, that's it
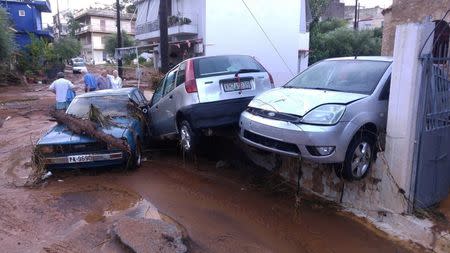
(203, 93)
(330, 113)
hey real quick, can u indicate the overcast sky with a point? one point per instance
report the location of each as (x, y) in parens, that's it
(79, 4)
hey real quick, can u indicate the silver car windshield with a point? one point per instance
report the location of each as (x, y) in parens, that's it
(354, 76)
(113, 106)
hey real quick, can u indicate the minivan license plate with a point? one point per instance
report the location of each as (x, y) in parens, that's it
(80, 158)
(234, 86)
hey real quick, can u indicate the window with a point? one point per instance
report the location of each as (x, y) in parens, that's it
(225, 65)
(384, 95)
(354, 76)
(157, 95)
(102, 24)
(21, 13)
(170, 81)
(181, 76)
(104, 39)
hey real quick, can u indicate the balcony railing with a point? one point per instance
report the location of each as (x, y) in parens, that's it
(172, 21)
(101, 28)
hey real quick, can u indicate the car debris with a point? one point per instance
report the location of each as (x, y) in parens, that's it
(101, 128)
(205, 93)
(330, 113)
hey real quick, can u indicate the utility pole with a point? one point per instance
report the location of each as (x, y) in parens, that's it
(59, 20)
(164, 36)
(355, 25)
(119, 38)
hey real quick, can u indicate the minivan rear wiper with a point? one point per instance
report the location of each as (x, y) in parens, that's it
(246, 71)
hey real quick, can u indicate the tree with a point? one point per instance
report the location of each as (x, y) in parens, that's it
(317, 8)
(7, 43)
(332, 38)
(67, 48)
(111, 42)
(72, 24)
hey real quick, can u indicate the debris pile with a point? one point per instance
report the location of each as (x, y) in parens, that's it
(89, 128)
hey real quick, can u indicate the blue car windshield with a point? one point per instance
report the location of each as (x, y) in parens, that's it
(353, 76)
(113, 106)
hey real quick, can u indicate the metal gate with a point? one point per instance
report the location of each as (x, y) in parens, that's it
(433, 160)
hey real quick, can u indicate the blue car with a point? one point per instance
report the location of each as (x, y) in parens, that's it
(62, 149)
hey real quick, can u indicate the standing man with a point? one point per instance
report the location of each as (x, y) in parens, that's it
(60, 87)
(90, 81)
(103, 82)
(116, 81)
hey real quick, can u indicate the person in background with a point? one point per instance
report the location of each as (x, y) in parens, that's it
(103, 82)
(60, 87)
(90, 82)
(116, 81)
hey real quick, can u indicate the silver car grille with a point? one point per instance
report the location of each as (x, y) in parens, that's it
(274, 115)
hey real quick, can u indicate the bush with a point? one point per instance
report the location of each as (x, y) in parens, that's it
(42, 57)
(7, 43)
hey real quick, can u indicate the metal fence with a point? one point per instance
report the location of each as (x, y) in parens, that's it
(433, 158)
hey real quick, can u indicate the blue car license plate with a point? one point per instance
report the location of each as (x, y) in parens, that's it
(80, 158)
(234, 86)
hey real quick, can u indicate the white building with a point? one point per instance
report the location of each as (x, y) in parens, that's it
(97, 25)
(275, 32)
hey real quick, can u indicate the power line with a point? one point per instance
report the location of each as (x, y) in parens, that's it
(268, 38)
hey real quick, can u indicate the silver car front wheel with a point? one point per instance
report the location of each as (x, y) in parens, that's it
(358, 158)
(361, 159)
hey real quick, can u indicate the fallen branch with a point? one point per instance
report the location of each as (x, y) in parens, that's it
(89, 128)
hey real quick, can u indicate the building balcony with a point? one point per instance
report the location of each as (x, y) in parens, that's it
(100, 29)
(181, 24)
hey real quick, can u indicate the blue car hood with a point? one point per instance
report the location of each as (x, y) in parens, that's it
(60, 134)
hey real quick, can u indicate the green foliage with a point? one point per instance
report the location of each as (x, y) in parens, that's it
(7, 43)
(67, 48)
(317, 8)
(111, 42)
(332, 38)
(40, 55)
(72, 25)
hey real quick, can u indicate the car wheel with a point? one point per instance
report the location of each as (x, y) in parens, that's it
(136, 158)
(359, 157)
(188, 139)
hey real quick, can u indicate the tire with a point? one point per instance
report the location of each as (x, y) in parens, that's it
(136, 158)
(188, 138)
(359, 157)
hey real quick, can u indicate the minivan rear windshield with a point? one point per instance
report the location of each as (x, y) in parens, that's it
(225, 65)
(353, 76)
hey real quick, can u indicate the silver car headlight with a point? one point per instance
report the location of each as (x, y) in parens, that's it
(328, 114)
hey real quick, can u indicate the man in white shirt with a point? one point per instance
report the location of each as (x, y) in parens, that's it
(116, 81)
(60, 87)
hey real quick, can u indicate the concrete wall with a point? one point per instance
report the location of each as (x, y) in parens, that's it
(230, 29)
(407, 11)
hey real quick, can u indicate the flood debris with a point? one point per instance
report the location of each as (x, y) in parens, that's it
(38, 171)
(89, 128)
(149, 235)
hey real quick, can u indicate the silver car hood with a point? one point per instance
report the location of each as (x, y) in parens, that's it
(300, 101)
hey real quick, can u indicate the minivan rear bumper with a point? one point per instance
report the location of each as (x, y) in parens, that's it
(215, 114)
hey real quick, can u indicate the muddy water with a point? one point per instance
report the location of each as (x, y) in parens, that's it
(224, 212)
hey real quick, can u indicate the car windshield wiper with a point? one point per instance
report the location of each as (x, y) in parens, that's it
(321, 88)
(246, 71)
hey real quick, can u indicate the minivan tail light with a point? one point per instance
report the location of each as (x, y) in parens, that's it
(271, 80)
(190, 84)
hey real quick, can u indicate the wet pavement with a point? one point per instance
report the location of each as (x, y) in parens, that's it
(237, 208)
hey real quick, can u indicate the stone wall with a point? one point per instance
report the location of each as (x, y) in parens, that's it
(410, 11)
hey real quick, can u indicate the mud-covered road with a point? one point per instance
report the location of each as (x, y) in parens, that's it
(233, 207)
